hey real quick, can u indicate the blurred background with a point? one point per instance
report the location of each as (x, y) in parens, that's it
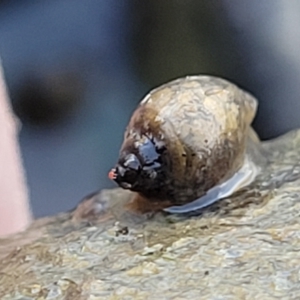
(77, 69)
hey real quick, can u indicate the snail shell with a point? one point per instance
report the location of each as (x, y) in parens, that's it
(186, 143)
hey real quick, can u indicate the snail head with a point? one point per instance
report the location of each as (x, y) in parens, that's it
(139, 167)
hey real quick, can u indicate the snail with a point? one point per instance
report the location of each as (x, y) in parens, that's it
(187, 144)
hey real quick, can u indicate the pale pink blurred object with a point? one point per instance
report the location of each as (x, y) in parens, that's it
(15, 214)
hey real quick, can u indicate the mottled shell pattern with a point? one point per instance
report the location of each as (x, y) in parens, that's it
(196, 129)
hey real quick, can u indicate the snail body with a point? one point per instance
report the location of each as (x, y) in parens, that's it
(186, 143)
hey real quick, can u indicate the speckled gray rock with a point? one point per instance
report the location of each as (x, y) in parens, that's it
(243, 247)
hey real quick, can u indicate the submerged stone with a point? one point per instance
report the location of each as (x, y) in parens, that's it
(242, 247)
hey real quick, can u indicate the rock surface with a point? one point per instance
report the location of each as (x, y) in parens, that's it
(243, 247)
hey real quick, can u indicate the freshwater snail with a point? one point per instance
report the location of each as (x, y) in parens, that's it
(186, 143)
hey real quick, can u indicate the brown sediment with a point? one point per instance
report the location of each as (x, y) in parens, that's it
(141, 205)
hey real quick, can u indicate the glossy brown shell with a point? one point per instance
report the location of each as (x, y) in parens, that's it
(204, 122)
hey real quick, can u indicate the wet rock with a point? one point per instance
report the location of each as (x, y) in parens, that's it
(242, 247)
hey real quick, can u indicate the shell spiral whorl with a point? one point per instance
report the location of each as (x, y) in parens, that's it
(185, 138)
